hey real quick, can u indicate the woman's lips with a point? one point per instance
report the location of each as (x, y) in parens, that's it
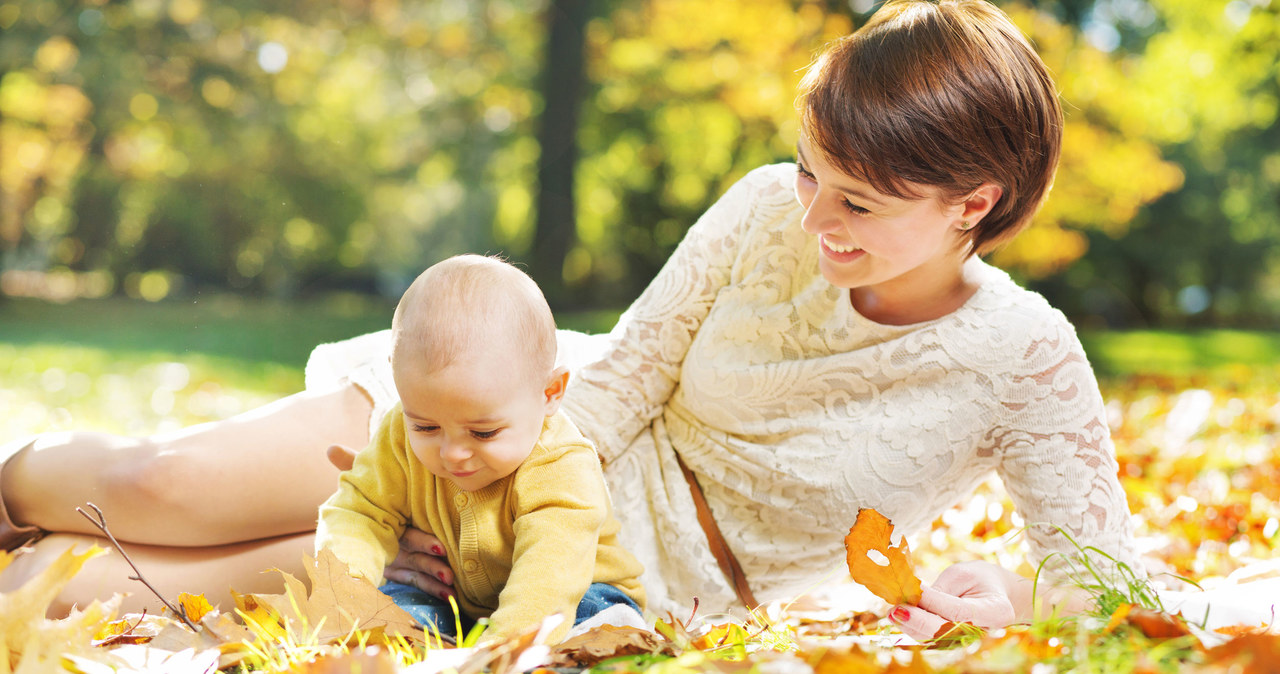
(840, 252)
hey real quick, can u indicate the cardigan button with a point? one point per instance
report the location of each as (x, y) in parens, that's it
(471, 566)
(461, 500)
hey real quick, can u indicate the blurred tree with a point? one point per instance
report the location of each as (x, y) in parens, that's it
(1202, 80)
(266, 148)
(1108, 170)
(562, 83)
(287, 146)
(688, 95)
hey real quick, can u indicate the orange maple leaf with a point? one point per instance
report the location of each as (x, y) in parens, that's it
(888, 572)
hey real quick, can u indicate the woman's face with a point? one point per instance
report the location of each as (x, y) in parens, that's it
(896, 248)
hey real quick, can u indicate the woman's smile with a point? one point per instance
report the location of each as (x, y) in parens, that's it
(840, 252)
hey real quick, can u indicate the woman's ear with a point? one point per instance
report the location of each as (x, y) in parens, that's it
(554, 392)
(978, 204)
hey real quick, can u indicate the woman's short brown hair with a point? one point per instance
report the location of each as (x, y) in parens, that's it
(944, 93)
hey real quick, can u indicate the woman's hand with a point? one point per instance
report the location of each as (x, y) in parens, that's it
(421, 561)
(980, 593)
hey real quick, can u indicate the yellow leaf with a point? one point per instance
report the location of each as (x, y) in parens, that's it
(336, 605)
(851, 661)
(24, 630)
(1121, 612)
(884, 569)
(194, 605)
(721, 635)
(265, 622)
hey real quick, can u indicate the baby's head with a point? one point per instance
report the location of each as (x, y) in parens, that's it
(473, 355)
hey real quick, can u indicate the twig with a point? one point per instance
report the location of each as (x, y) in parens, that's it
(101, 523)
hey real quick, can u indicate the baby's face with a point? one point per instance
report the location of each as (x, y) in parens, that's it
(475, 421)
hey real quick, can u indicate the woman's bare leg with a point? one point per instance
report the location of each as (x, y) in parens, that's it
(212, 571)
(256, 475)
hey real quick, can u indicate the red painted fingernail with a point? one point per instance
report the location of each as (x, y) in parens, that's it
(899, 614)
(436, 550)
(441, 577)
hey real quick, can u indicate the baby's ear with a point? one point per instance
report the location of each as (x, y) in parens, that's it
(556, 386)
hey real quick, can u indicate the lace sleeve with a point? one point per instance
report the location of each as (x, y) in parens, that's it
(1057, 459)
(617, 396)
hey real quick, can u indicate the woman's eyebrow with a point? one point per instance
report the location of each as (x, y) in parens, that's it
(858, 194)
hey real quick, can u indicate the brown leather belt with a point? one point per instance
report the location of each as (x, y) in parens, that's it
(719, 548)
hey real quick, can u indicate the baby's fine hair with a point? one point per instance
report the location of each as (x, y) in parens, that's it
(943, 93)
(473, 300)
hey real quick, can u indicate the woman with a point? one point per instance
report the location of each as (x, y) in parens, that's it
(825, 338)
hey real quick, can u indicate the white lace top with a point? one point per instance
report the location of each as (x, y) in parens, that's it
(794, 411)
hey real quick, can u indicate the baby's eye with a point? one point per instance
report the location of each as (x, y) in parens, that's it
(484, 435)
(425, 428)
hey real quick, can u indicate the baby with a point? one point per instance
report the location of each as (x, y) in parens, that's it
(478, 454)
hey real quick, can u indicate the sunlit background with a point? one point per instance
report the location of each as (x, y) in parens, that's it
(194, 193)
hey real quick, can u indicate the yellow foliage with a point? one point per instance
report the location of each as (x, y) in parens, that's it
(195, 606)
(31, 642)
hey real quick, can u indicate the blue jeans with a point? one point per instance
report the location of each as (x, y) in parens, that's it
(430, 611)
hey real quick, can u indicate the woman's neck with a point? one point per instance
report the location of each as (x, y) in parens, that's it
(904, 301)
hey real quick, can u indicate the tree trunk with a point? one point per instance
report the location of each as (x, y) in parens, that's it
(563, 78)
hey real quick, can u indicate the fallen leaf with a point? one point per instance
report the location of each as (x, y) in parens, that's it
(266, 623)
(953, 634)
(884, 569)
(217, 631)
(845, 661)
(131, 629)
(369, 660)
(28, 640)
(1156, 625)
(1117, 618)
(917, 665)
(1241, 630)
(336, 605)
(718, 636)
(146, 659)
(607, 641)
(194, 606)
(1251, 654)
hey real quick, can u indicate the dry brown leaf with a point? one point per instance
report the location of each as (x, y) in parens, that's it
(607, 641)
(1157, 625)
(891, 577)
(217, 630)
(1250, 654)
(336, 605)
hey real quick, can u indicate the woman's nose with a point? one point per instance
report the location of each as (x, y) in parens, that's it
(817, 218)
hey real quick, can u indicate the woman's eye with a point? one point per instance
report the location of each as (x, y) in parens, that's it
(856, 210)
(483, 435)
(848, 205)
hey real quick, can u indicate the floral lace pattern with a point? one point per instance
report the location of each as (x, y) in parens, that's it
(794, 411)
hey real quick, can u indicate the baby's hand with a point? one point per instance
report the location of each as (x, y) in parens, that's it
(421, 563)
(341, 457)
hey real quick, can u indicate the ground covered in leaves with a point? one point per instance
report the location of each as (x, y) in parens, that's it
(1197, 457)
